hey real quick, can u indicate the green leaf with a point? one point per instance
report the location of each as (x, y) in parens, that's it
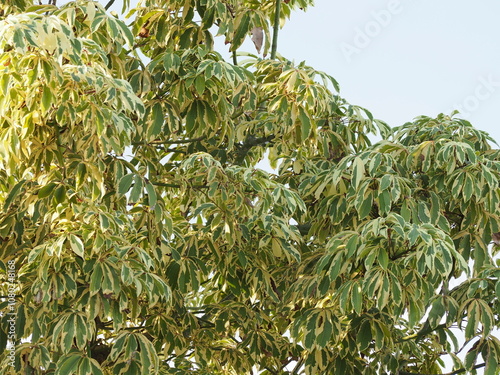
(149, 359)
(413, 235)
(68, 334)
(468, 188)
(357, 298)
(84, 368)
(175, 255)
(202, 207)
(385, 182)
(457, 185)
(95, 368)
(358, 172)
(191, 117)
(366, 206)
(47, 99)
(60, 194)
(137, 188)
(472, 321)
(310, 334)
(152, 198)
(305, 122)
(14, 192)
(364, 336)
(424, 213)
(76, 245)
(4, 83)
(290, 250)
(68, 364)
(96, 279)
(81, 171)
(242, 23)
(324, 329)
(437, 311)
(104, 221)
(414, 312)
(46, 190)
(125, 183)
(470, 359)
(383, 258)
(126, 32)
(378, 334)
(157, 121)
(199, 84)
(492, 363)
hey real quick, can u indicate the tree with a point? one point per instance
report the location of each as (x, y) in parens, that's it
(138, 237)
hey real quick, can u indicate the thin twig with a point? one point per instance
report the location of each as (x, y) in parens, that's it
(274, 46)
(297, 366)
(162, 184)
(178, 142)
(109, 4)
(449, 373)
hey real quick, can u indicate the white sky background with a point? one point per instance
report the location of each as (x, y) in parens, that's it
(418, 57)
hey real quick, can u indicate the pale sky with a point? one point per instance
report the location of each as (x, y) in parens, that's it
(405, 58)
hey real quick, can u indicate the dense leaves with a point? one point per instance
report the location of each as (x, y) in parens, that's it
(140, 237)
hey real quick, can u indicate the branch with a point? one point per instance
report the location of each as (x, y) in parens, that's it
(297, 366)
(449, 373)
(268, 368)
(425, 330)
(178, 142)
(304, 228)
(276, 27)
(208, 322)
(250, 142)
(240, 111)
(229, 7)
(198, 309)
(109, 4)
(174, 150)
(233, 338)
(162, 184)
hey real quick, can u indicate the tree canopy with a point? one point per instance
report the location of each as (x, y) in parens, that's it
(140, 237)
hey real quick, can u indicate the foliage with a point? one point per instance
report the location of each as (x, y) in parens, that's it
(145, 240)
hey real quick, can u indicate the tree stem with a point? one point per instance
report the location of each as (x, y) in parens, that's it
(274, 46)
(456, 372)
